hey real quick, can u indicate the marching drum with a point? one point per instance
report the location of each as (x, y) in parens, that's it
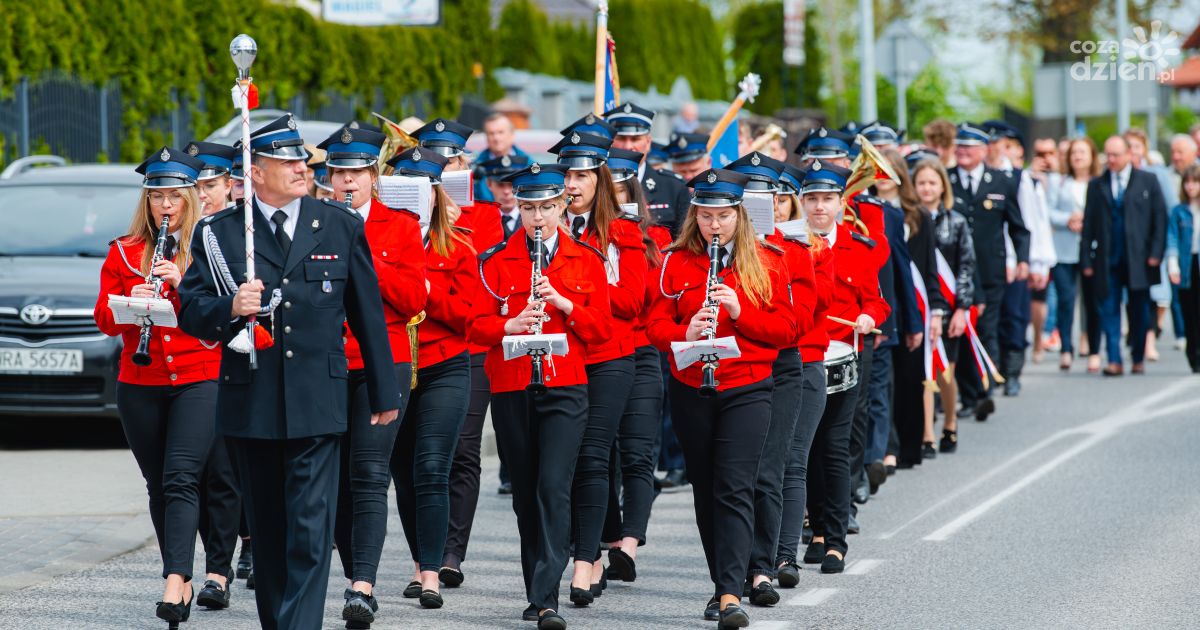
(841, 367)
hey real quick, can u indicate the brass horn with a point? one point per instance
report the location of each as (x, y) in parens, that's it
(869, 167)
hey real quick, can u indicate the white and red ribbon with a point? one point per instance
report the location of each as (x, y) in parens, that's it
(983, 362)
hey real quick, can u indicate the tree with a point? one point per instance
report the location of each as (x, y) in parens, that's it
(758, 47)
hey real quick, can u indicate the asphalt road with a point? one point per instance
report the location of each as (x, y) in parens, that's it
(1075, 506)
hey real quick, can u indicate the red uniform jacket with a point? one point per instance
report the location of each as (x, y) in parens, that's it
(627, 296)
(576, 273)
(815, 340)
(760, 331)
(453, 283)
(870, 211)
(662, 239)
(802, 287)
(483, 219)
(855, 285)
(175, 358)
(394, 236)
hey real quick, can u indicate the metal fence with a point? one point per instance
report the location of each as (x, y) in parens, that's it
(82, 122)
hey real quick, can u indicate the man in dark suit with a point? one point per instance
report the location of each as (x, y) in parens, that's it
(283, 420)
(988, 199)
(1121, 247)
(667, 196)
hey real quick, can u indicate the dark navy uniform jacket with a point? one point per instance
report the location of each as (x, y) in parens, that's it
(667, 198)
(300, 387)
(987, 211)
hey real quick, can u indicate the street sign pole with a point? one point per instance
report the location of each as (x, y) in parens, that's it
(901, 85)
(866, 15)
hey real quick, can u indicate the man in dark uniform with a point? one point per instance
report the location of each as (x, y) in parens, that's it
(667, 197)
(988, 198)
(283, 420)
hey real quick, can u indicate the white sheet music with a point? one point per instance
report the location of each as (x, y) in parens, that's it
(460, 186)
(761, 209)
(135, 310)
(523, 345)
(630, 210)
(797, 229)
(407, 193)
(689, 352)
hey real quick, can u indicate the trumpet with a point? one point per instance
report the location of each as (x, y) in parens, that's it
(708, 383)
(141, 356)
(537, 384)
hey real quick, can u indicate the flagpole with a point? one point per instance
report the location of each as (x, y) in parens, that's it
(601, 50)
(243, 49)
(612, 62)
(747, 90)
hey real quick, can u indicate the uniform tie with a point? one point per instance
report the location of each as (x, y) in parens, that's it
(169, 249)
(510, 226)
(281, 235)
(577, 225)
(722, 260)
(970, 185)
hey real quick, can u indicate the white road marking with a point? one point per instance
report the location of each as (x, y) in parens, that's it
(812, 597)
(1096, 431)
(862, 567)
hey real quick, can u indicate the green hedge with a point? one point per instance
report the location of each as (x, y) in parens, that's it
(152, 46)
(758, 47)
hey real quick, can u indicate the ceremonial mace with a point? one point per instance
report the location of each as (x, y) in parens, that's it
(243, 50)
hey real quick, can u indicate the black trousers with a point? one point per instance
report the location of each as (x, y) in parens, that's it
(170, 432)
(909, 404)
(421, 460)
(722, 439)
(1014, 321)
(291, 490)
(465, 466)
(795, 476)
(829, 469)
(362, 507)
(861, 427)
(1189, 303)
(541, 435)
(631, 465)
(220, 511)
(608, 390)
(788, 375)
(970, 385)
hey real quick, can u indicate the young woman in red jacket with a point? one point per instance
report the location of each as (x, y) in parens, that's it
(594, 218)
(812, 343)
(540, 433)
(722, 436)
(429, 433)
(352, 156)
(635, 452)
(855, 298)
(168, 404)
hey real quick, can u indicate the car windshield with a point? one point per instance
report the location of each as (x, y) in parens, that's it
(63, 219)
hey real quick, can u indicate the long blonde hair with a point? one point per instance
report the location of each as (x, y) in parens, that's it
(442, 233)
(144, 229)
(747, 266)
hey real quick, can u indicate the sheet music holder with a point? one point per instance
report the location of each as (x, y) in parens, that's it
(689, 352)
(459, 186)
(631, 210)
(401, 192)
(531, 345)
(760, 207)
(138, 311)
(795, 230)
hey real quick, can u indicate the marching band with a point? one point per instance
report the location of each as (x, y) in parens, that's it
(628, 296)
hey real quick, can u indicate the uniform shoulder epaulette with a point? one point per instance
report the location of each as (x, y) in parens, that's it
(770, 247)
(663, 171)
(592, 249)
(635, 218)
(865, 240)
(340, 206)
(492, 251)
(221, 214)
(797, 240)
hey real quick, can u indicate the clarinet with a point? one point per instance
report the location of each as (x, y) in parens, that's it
(708, 383)
(537, 384)
(349, 199)
(141, 356)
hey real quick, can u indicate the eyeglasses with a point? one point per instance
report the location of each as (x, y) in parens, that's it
(532, 210)
(724, 218)
(157, 198)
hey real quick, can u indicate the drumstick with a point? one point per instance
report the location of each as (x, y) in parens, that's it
(851, 324)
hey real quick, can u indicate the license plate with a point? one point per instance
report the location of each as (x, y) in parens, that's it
(30, 361)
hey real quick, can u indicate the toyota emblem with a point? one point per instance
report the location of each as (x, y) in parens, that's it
(35, 314)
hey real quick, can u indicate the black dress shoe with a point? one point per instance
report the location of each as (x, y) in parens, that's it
(676, 478)
(733, 617)
(712, 610)
(413, 590)
(814, 553)
(949, 442)
(596, 589)
(764, 595)
(431, 599)
(876, 475)
(250, 580)
(245, 561)
(621, 566)
(852, 526)
(451, 577)
(360, 609)
(551, 620)
(530, 613)
(1012, 387)
(891, 470)
(505, 488)
(833, 564)
(175, 613)
(985, 408)
(927, 451)
(862, 492)
(213, 596)
(581, 596)
(806, 532)
(789, 575)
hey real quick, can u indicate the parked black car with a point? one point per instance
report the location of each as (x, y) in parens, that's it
(56, 222)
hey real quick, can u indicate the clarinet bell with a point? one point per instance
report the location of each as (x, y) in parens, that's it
(537, 381)
(708, 383)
